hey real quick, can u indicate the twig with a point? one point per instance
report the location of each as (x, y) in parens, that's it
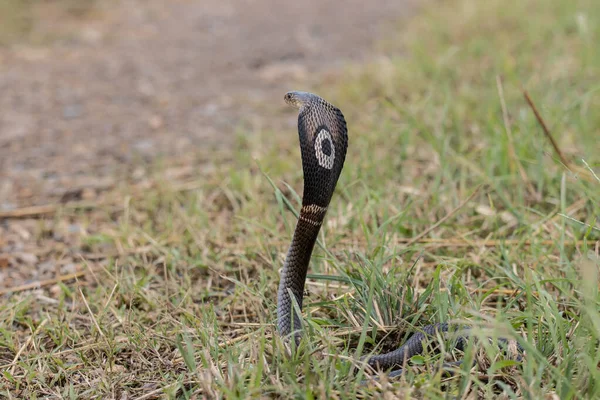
(39, 284)
(546, 130)
(441, 221)
(484, 243)
(36, 211)
(45, 209)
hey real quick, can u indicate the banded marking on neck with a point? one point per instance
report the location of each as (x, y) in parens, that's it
(313, 214)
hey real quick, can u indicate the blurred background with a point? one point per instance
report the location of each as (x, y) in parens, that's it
(88, 88)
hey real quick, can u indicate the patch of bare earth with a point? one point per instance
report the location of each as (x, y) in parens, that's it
(133, 81)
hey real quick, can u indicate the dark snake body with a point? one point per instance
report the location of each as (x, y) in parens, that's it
(323, 155)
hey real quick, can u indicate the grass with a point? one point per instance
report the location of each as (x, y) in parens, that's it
(187, 308)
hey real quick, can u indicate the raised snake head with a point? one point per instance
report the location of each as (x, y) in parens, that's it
(323, 142)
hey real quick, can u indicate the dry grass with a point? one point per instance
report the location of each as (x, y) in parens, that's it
(178, 298)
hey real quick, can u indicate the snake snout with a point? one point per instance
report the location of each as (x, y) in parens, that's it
(291, 99)
(297, 99)
(288, 97)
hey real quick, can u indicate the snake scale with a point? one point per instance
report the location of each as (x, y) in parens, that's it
(323, 138)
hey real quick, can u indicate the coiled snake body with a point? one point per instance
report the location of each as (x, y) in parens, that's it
(323, 142)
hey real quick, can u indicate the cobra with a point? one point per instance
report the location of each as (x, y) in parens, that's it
(323, 136)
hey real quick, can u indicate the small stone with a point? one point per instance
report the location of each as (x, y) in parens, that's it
(156, 122)
(91, 35)
(27, 258)
(72, 111)
(88, 194)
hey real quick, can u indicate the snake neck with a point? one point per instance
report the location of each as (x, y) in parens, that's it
(295, 269)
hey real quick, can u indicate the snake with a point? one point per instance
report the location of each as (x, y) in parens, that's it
(323, 136)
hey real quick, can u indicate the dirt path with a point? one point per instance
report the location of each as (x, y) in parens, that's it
(151, 78)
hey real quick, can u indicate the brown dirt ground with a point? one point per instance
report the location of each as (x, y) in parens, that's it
(140, 79)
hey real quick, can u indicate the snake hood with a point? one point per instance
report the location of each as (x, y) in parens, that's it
(323, 143)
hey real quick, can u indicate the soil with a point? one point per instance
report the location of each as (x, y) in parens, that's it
(96, 99)
(140, 79)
